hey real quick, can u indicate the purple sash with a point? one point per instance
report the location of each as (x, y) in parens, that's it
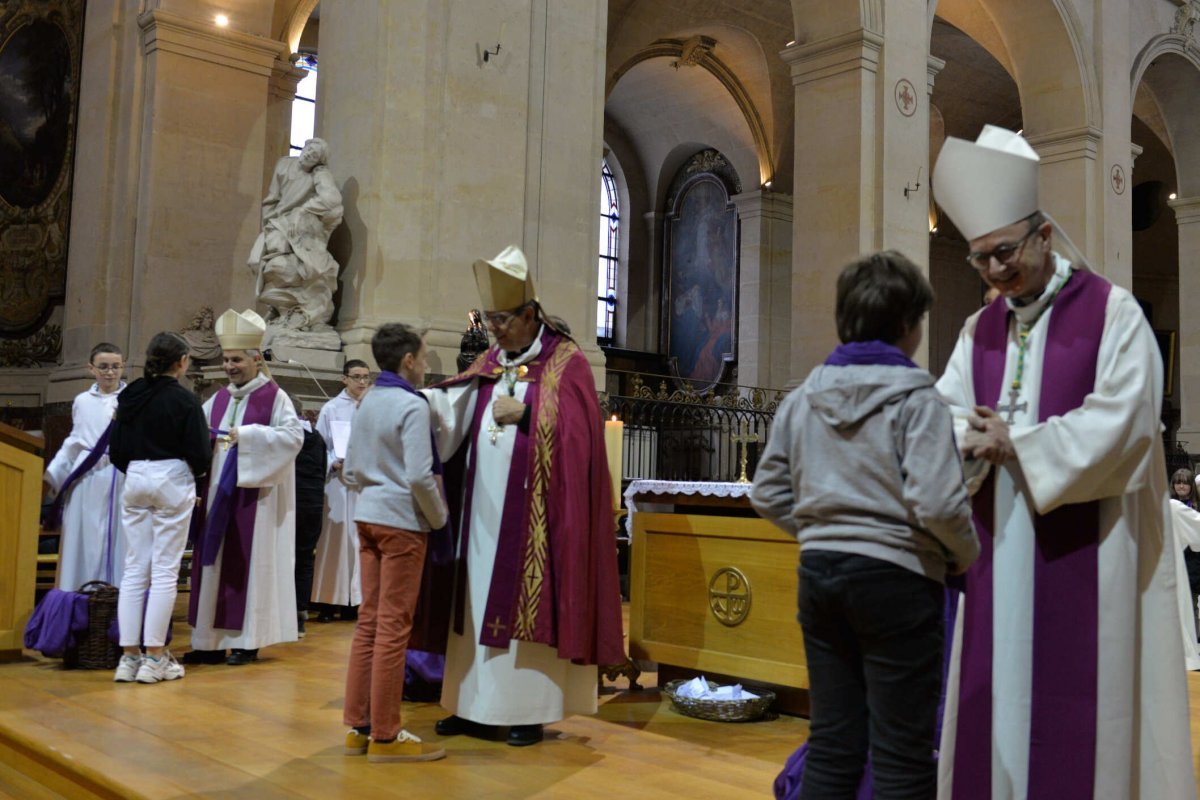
(230, 520)
(53, 517)
(1062, 749)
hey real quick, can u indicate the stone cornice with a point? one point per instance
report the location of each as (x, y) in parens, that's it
(285, 77)
(933, 66)
(851, 52)
(171, 33)
(759, 203)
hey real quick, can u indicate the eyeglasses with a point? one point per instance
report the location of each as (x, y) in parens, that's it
(1004, 253)
(108, 367)
(359, 378)
(498, 319)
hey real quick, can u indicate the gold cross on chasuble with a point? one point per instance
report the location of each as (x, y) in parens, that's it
(497, 626)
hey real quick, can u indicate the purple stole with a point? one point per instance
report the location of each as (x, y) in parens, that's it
(1062, 735)
(506, 574)
(230, 521)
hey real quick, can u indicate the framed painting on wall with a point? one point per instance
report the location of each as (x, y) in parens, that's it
(701, 271)
(40, 52)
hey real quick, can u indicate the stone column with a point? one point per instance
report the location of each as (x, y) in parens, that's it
(764, 288)
(1069, 189)
(1187, 217)
(445, 157)
(174, 172)
(643, 301)
(285, 78)
(862, 138)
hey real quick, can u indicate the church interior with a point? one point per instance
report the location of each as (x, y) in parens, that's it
(686, 178)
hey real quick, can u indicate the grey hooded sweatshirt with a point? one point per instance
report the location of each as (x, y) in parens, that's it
(862, 460)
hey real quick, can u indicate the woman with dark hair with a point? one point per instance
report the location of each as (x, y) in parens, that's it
(160, 441)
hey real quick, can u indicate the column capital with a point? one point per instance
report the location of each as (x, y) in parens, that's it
(172, 33)
(285, 77)
(763, 203)
(1187, 210)
(933, 67)
(1066, 144)
(825, 58)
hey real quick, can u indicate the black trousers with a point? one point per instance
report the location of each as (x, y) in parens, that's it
(308, 531)
(873, 638)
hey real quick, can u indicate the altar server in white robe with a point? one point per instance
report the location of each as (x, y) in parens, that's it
(336, 580)
(245, 555)
(1067, 674)
(1185, 522)
(92, 546)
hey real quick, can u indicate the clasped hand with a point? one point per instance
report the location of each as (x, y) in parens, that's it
(987, 437)
(507, 410)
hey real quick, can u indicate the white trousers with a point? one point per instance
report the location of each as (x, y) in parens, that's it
(156, 509)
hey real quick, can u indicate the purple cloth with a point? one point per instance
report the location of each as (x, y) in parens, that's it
(56, 622)
(429, 667)
(52, 520)
(1062, 755)
(865, 353)
(441, 545)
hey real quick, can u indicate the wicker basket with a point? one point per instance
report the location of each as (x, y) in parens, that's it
(94, 650)
(720, 710)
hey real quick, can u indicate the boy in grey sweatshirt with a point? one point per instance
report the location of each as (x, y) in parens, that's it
(391, 461)
(862, 468)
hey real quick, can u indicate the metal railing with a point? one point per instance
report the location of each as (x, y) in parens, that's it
(681, 435)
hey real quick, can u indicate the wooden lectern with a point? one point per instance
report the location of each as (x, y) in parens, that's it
(21, 468)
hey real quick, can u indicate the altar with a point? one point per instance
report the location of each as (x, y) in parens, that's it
(712, 585)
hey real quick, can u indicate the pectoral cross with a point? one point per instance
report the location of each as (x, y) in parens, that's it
(494, 430)
(496, 625)
(1012, 406)
(224, 440)
(744, 439)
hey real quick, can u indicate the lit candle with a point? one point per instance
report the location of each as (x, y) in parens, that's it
(614, 432)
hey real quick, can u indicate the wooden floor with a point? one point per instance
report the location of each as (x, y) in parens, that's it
(273, 729)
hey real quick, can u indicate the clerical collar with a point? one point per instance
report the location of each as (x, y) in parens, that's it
(247, 387)
(1030, 312)
(524, 355)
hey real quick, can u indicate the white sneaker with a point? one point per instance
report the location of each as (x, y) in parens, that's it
(127, 669)
(163, 668)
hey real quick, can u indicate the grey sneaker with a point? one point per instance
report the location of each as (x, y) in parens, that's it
(127, 669)
(163, 668)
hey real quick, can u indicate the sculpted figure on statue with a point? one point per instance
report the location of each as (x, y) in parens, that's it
(296, 274)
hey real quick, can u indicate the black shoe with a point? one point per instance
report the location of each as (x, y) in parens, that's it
(348, 614)
(203, 657)
(524, 735)
(238, 658)
(300, 625)
(454, 725)
(326, 615)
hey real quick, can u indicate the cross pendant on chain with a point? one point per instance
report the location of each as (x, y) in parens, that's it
(1013, 406)
(494, 430)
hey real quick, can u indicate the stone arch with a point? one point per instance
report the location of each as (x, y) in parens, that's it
(814, 20)
(698, 51)
(1041, 45)
(1169, 68)
(294, 25)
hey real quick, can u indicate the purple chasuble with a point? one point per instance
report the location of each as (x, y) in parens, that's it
(1062, 735)
(230, 520)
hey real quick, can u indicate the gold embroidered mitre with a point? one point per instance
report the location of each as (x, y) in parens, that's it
(242, 331)
(505, 281)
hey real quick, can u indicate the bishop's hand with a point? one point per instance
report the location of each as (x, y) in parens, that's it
(987, 437)
(507, 410)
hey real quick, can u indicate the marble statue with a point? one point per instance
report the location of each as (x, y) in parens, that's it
(296, 275)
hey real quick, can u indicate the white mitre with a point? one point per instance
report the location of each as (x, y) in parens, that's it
(504, 282)
(242, 331)
(987, 184)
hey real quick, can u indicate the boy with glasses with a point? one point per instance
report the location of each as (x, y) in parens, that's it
(86, 486)
(336, 580)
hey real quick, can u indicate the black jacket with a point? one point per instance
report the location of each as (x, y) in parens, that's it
(310, 472)
(157, 420)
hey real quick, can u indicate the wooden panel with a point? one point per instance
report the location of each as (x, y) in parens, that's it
(20, 496)
(675, 557)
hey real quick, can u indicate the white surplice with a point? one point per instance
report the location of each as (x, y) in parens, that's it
(336, 578)
(266, 457)
(1110, 450)
(526, 683)
(1185, 522)
(92, 546)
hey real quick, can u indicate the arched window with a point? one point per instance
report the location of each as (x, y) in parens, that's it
(304, 107)
(610, 255)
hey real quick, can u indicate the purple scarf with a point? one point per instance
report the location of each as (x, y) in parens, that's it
(440, 545)
(873, 352)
